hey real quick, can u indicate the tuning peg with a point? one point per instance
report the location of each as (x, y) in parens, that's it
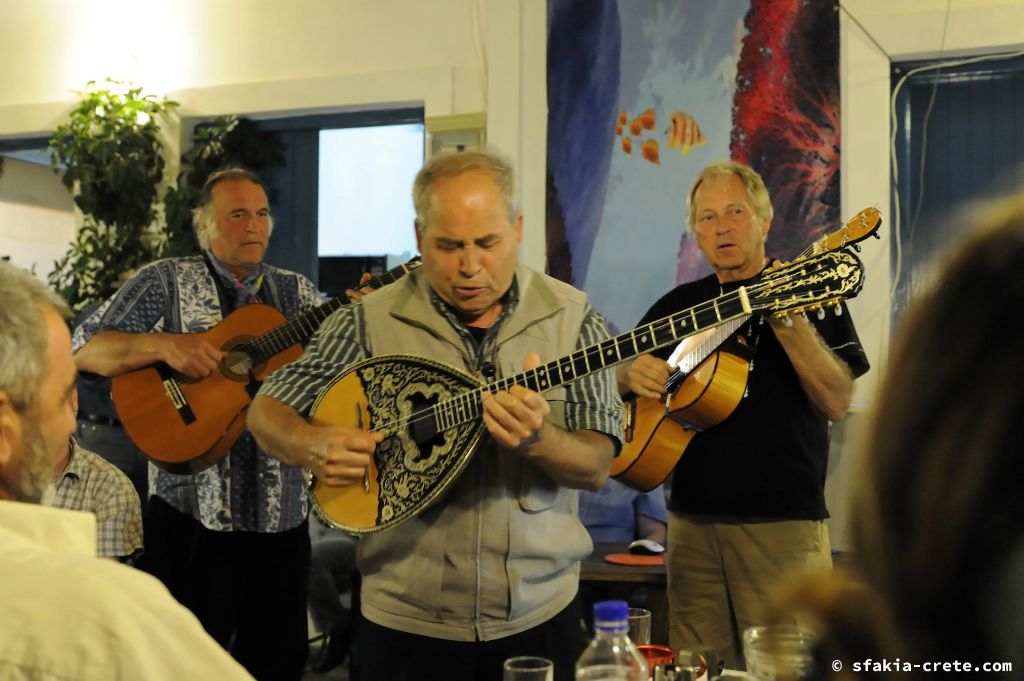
(839, 310)
(821, 313)
(876, 235)
(786, 321)
(856, 247)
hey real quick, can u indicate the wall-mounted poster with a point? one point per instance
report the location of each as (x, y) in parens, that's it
(643, 94)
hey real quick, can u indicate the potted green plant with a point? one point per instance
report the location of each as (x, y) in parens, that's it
(112, 159)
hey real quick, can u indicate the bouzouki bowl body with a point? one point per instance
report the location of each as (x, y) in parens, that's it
(410, 470)
(354, 506)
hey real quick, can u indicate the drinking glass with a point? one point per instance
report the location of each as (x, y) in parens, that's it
(640, 626)
(779, 652)
(689, 665)
(528, 669)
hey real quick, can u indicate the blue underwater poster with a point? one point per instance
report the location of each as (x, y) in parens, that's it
(643, 94)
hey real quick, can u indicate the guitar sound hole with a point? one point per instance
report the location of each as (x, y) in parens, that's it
(237, 365)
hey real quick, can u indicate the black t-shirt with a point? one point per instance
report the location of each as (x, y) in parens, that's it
(766, 460)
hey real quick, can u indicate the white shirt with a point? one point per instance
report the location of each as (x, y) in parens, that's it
(68, 615)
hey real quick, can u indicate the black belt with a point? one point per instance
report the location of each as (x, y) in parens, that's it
(98, 420)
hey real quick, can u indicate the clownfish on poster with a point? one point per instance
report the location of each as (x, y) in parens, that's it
(683, 133)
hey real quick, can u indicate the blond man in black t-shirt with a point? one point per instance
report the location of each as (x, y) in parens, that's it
(747, 502)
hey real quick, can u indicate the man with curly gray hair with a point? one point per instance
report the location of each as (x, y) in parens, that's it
(246, 515)
(37, 379)
(54, 589)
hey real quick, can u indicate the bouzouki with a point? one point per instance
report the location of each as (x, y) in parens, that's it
(706, 387)
(430, 413)
(185, 425)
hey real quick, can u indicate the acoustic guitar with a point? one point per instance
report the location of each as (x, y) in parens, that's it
(706, 387)
(430, 413)
(185, 425)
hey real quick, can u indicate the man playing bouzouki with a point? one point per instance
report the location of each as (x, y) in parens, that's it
(490, 570)
(747, 499)
(231, 542)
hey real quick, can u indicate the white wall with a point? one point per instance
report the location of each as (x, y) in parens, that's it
(37, 220)
(258, 57)
(239, 53)
(872, 34)
(924, 29)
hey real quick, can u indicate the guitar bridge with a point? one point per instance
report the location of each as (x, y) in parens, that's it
(175, 395)
(629, 420)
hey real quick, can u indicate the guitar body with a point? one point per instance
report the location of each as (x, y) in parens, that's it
(417, 460)
(649, 434)
(185, 425)
(655, 436)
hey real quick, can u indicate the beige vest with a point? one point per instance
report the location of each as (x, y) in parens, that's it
(499, 553)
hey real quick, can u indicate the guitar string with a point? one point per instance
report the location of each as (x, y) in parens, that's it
(867, 219)
(468, 402)
(269, 343)
(467, 406)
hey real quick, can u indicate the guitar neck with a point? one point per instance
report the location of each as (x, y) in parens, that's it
(301, 329)
(865, 223)
(466, 407)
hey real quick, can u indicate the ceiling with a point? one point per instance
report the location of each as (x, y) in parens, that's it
(913, 29)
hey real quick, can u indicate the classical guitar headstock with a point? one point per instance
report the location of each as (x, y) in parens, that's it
(808, 284)
(863, 225)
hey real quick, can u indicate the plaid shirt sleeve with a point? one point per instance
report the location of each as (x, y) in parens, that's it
(91, 484)
(593, 402)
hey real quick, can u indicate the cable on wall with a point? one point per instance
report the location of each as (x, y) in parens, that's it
(478, 45)
(896, 220)
(892, 141)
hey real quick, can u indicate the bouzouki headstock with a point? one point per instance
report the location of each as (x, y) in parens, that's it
(808, 284)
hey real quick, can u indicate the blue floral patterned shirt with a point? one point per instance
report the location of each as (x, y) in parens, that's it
(180, 295)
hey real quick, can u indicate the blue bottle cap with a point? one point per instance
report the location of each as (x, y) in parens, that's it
(611, 611)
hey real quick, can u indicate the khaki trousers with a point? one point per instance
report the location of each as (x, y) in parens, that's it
(720, 576)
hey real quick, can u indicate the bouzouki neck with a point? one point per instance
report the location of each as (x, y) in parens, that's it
(466, 407)
(808, 284)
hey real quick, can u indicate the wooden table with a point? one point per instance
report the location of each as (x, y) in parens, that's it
(595, 568)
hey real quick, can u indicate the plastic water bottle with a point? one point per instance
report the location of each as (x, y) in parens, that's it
(611, 656)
